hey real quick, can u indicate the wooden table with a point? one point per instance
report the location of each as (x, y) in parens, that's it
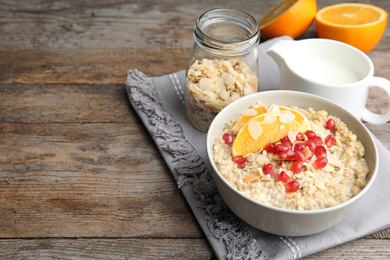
(80, 176)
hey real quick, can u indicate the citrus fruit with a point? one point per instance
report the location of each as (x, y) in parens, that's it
(360, 25)
(245, 117)
(262, 109)
(289, 17)
(267, 128)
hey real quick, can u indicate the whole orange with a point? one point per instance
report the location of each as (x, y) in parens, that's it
(289, 17)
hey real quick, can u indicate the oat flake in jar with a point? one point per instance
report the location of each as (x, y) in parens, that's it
(223, 65)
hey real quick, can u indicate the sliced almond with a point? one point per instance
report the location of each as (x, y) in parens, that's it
(286, 117)
(333, 160)
(248, 112)
(291, 194)
(328, 168)
(251, 157)
(251, 178)
(273, 109)
(205, 83)
(254, 129)
(309, 173)
(269, 118)
(320, 183)
(292, 136)
(299, 175)
(262, 159)
(335, 180)
(266, 177)
(307, 152)
(224, 94)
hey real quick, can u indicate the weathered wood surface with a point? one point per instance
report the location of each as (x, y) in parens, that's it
(79, 175)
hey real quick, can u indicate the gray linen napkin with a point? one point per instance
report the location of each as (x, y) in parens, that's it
(159, 102)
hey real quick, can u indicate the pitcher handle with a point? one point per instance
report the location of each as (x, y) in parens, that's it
(374, 118)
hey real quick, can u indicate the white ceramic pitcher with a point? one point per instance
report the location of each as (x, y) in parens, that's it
(331, 69)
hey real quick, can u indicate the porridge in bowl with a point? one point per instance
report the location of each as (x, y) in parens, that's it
(291, 158)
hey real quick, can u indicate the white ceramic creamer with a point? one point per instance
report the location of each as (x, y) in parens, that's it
(330, 69)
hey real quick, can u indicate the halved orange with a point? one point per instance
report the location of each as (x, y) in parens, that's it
(268, 128)
(289, 17)
(360, 25)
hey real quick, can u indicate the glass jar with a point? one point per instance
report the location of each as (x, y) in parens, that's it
(223, 65)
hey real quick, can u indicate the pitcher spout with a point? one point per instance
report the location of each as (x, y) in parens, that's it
(281, 51)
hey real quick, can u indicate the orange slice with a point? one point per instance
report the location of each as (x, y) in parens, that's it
(289, 17)
(261, 110)
(246, 116)
(268, 128)
(360, 25)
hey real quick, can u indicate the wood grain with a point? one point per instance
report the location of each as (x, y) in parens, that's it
(80, 177)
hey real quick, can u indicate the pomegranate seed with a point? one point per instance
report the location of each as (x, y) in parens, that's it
(242, 166)
(329, 141)
(292, 186)
(320, 152)
(317, 140)
(299, 137)
(270, 148)
(228, 138)
(310, 134)
(239, 160)
(288, 144)
(280, 148)
(300, 156)
(283, 177)
(296, 167)
(268, 169)
(299, 147)
(320, 163)
(288, 155)
(311, 144)
(285, 140)
(330, 124)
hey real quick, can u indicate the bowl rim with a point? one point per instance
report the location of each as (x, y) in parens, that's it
(293, 211)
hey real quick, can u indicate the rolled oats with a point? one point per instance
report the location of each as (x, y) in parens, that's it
(342, 178)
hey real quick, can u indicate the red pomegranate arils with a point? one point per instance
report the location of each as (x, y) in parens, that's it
(320, 151)
(268, 169)
(292, 186)
(299, 137)
(285, 139)
(296, 167)
(300, 156)
(239, 160)
(270, 148)
(299, 147)
(288, 155)
(317, 140)
(329, 141)
(283, 177)
(320, 163)
(228, 138)
(280, 148)
(310, 134)
(330, 124)
(311, 144)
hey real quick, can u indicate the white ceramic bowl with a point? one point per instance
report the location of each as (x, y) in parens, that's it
(277, 220)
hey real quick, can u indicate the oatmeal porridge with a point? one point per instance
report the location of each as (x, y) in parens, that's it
(316, 166)
(213, 84)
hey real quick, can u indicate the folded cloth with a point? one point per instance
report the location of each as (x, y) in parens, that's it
(159, 102)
